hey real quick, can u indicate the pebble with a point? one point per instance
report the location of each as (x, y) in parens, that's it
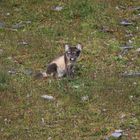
(129, 35)
(12, 71)
(28, 22)
(2, 25)
(48, 97)
(85, 98)
(127, 47)
(130, 41)
(18, 26)
(135, 83)
(136, 8)
(23, 43)
(122, 116)
(1, 51)
(8, 14)
(76, 86)
(117, 133)
(126, 23)
(138, 50)
(28, 71)
(57, 8)
(43, 122)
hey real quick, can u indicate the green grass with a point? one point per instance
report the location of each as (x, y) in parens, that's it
(113, 101)
(4, 79)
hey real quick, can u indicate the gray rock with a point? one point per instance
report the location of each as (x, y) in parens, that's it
(28, 22)
(85, 98)
(135, 8)
(57, 8)
(138, 50)
(2, 25)
(126, 23)
(116, 135)
(119, 131)
(22, 43)
(1, 51)
(48, 97)
(12, 71)
(131, 74)
(18, 26)
(8, 14)
(76, 86)
(127, 47)
(28, 71)
(129, 35)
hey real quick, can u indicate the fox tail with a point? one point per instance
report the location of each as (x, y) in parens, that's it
(40, 75)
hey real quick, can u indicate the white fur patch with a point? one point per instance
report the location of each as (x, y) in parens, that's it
(66, 47)
(44, 74)
(79, 47)
(60, 72)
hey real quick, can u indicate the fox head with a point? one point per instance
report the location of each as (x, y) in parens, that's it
(72, 53)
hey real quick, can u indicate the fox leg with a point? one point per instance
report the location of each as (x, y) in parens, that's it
(52, 69)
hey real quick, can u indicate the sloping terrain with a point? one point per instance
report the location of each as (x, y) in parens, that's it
(103, 97)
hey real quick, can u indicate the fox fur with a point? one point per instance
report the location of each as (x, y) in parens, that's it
(63, 65)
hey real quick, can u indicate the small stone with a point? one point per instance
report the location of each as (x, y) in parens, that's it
(130, 41)
(135, 83)
(12, 71)
(28, 22)
(129, 35)
(127, 47)
(28, 95)
(23, 43)
(28, 71)
(131, 97)
(17, 26)
(8, 14)
(119, 131)
(2, 25)
(122, 116)
(76, 86)
(104, 110)
(49, 138)
(116, 135)
(1, 51)
(136, 8)
(48, 97)
(126, 23)
(43, 122)
(117, 7)
(138, 50)
(57, 8)
(84, 98)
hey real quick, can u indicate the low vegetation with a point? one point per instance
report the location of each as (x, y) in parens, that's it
(99, 100)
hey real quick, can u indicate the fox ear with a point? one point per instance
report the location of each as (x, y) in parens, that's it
(79, 47)
(66, 47)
